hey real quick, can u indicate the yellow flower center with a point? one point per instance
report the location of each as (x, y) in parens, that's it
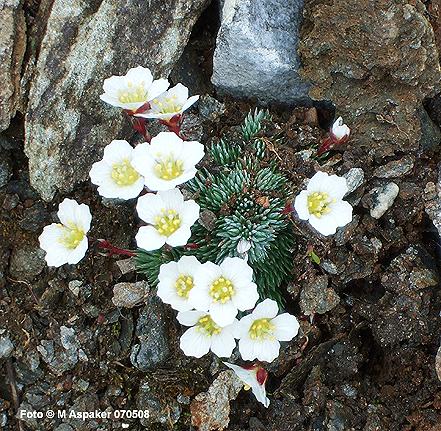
(133, 93)
(207, 326)
(318, 203)
(222, 290)
(123, 173)
(168, 168)
(167, 222)
(183, 285)
(71, 237)
(262, 329)
(168, 105)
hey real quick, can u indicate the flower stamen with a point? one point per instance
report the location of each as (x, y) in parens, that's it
(123, 173)
(183, 285)
(167, 222)
(207, 326)
(222, 290)
(318, 203)
(169, 168)
(72, 236)
(262, 329)
(133, 94)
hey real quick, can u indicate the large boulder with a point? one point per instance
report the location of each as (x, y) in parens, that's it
(256, 50)
(12, 49)
(85, 42)
(376, 60)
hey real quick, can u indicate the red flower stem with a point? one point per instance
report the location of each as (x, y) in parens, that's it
(106, 245)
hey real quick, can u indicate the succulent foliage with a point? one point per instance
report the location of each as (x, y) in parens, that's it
(246, 195)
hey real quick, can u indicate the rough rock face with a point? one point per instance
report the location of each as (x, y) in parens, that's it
(256, 50)
(376, 60)
(67, 125)
(12, 49)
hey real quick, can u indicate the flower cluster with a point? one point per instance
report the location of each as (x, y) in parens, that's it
(209, 297)
(158, 165)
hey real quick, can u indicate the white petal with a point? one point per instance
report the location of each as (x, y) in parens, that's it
(317, 182)
(301, 205)
(190, 212)
(142, 160)
(246, 348)
(242, 327)
(149, 239)
(194, 343)
(190, 101)
(193, 153)
(179, 237)
(117, 151)
(168, 270)
(223, 314)
(287, 327)
(246, 297)
(237, 271)
(83, 217)
(158, 87)
(140, 75)
(267, 350)
(325, 225)
(66, 211)
(223, 344)
(266, 309)
(190, 318)
(207, 274)
(172, 199)
(188, 265)
(78, 252)
(149, 206)
(342, 212)
(180, 92)
(199, 298)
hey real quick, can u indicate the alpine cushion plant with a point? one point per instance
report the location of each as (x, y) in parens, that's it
(66, 242)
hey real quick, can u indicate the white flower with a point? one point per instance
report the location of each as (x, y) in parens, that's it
(170, 104)
(115, 175)
(169, 218)
(224, 289)
(167, 161)
(205, 335)
(176, 279)
(322, 203)
(66, 242)
(259, 333)
(340, 130)
(254, 378)
(133, 90)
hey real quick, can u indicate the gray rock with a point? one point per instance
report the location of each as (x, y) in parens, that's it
(382, 199)
(316, 297)
(130, 294)
(6, 347)
(151, 330)
(126, 266)
(432, 202)
(67, 125)
(210, 108)
(12, 49)
(354, 178)
(27, 262)
(256, 50)
(395, 168)
(161, 410)
(5, 170)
